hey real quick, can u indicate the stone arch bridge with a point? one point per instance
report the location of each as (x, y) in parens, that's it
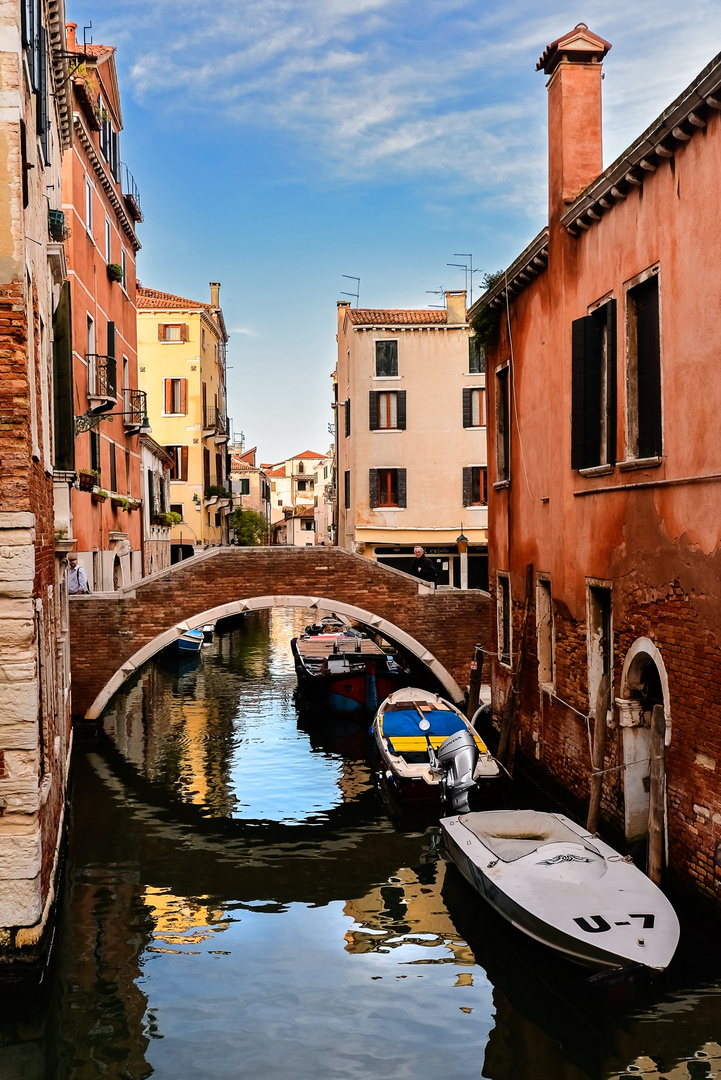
(111, 634)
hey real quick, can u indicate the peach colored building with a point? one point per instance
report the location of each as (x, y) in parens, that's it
(102, 208)
(605, 506)
(410, 400)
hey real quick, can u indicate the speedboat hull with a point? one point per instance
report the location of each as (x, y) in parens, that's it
(563, 887)
(347, 672)
(191, 641)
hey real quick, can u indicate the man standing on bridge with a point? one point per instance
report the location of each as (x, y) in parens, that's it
(77, 578)
(422, 567)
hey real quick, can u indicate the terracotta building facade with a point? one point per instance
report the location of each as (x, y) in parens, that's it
(605, 466)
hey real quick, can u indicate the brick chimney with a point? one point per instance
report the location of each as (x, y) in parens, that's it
(215, 295)
(70, 29)
(456, 308)
(575, 150)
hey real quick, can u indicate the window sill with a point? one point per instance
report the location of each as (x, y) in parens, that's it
(474, 427)
(597, 470)
(501, 484)
(476, 506)
(386, 430)
(386, 378)
(387, 509)
(640, 463)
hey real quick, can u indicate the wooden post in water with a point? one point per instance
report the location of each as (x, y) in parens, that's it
(656, 800)
(474, 685)
(598, 754)
(506, 744)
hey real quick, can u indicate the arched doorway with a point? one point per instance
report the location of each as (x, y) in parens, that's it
(117, 573)
(644, 684)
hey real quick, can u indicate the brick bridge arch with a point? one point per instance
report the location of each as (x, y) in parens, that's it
(111, 634)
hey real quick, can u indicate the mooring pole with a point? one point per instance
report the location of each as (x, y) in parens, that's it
(656, 799)
(474, 683)
(598, 754)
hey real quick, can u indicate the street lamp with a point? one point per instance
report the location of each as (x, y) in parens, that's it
(462, 545)
(138, 414)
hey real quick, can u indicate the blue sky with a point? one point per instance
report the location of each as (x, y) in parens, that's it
(280, 144)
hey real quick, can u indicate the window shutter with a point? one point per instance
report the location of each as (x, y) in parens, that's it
(373, 409)
(467, 407)
(402, 487)
(467, 473)
(183, 395)
(373, 488)
(167, 395)
(347, 417)
(183, 332)
(183, 463)
(586, 374)
(43, 116)
(161, 331)
(648, 368)
(610, 312)
(402, 409)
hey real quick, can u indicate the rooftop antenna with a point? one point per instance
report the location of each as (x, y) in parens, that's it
(86, 43)
(438, 292)
(355, 294)
(468, 267)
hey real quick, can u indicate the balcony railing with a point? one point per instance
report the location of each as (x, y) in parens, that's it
(215, 421)
(130, 192)
(102, 374)
(135, 407)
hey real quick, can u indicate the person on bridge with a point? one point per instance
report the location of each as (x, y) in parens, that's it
(77, 578)
(422, 567)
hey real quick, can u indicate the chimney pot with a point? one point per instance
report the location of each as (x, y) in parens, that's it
(215, 294)
(456, 308)
(70, 29)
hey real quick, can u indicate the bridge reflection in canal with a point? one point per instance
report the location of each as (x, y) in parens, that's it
(236, 904)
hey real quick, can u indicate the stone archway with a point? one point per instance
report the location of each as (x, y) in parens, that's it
(259, 603)
(644, 684)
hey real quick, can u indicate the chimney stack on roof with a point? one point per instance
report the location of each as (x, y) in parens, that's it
(456, 308)
(575, 150)
(70, 29)
(215, 295)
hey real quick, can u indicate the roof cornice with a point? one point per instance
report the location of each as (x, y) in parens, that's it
(107, 184)
(677, 125)
(529, 264)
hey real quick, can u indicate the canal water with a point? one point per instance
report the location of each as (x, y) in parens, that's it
(238, 904)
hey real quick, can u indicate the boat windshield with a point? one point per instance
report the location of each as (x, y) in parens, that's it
(512, 835)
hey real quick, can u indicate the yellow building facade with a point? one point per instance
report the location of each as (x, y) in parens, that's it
(182, 369)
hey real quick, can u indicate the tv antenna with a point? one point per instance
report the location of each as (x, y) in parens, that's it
(438, 292)
(86, 43)
(355, 294)
(468, 267)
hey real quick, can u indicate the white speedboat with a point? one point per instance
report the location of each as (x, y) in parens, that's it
(428, 751)
(564, 887)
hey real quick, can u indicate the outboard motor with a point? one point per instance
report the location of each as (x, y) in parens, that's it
(457, 756)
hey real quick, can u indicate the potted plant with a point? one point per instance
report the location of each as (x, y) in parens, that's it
(99, 495)
(120, 502)
(87, 479)
(115, 271)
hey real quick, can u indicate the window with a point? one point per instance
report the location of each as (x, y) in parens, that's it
(599, 640)
(301, 467)
(128, 475)
(175, 397)
(387, 410)
(503, 426)
(243, 486)
(31, 27)
(172, 332)
(503, 601)
(386, 358)
(387, 488)
(302, 484)
(88, 205)
(308, 526)
(177, 508)
(347, 417)
(346, 488)
(124, 266)
(179, 454)
(113, 468)
(593, 388)
(474, 407)
(475, 485)
(95, 451)
(643, 373)
(108, 239)
(476, 357)
(43, 95)
(325, 472)
(544, 632)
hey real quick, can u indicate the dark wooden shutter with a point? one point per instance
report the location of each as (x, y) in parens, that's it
(183, 395)
(43, 101)
(346, 487)
(183, 331)
(373, 488)
(347, 417)
(648, 352)
(401, 414)
(609, 315)
(168, 395)
(401, 487)
(586, 374)
(183, 463)
(113, 468)
(467, 477)
(467, 407)
(373, 409)
(63, 419)
(161, 331)
(112, 375)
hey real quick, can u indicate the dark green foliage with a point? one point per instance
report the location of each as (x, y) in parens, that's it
(485, 322)
(251, 528)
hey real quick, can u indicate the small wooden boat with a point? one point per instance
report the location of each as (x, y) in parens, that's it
(564, 887)
(208, 631)
(430, 752)
(190, 641)
(344, 668)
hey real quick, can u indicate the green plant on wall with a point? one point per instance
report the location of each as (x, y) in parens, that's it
(250, 527)
(115, 272)
(486, 321)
